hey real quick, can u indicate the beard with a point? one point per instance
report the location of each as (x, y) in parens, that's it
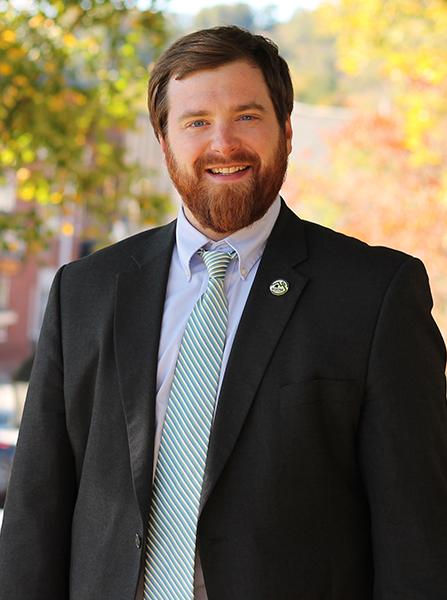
(227, 207)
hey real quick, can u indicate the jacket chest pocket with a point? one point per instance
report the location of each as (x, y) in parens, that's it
(318, 390)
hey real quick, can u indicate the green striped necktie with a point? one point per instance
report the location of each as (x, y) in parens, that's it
(171, 545)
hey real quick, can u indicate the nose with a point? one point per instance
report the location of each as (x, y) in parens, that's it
(224, 140)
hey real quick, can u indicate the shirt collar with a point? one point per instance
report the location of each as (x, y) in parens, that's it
(248, 242)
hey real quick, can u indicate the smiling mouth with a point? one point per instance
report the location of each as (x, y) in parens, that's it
(227, 170)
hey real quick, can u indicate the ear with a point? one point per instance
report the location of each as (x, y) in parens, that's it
(163, 144)
(288, 133)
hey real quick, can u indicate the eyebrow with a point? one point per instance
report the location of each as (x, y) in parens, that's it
(238, 108)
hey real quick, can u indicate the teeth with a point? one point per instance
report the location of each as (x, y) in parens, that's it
(227, 170)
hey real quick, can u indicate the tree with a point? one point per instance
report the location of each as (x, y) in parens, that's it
(226, 14)
(405, 41)
(72, 81)
(311, 55)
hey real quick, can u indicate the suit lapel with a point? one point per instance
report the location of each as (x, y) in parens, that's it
(140, 295)
(260, 328)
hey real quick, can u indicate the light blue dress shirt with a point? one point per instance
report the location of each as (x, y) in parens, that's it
(188, 279)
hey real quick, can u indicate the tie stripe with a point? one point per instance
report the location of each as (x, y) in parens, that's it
(171, 546)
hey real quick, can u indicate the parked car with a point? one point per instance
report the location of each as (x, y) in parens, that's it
(8, 440)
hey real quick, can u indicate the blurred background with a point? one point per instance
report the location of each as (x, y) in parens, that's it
(80, 167)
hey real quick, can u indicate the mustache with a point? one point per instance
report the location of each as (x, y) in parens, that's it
(239, 157)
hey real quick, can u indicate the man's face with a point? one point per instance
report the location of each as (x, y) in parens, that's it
(224, 149)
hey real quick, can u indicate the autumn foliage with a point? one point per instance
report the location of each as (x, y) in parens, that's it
(72, 82)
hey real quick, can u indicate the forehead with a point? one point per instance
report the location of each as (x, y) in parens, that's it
(235, 83)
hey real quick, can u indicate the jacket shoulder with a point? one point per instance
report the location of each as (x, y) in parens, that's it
(124, 255)
(337, 249)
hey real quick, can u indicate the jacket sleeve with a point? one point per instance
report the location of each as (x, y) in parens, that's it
(35, 537)
(403, 443)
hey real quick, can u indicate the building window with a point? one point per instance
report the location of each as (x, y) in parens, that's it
(4, 298)
(8, 192)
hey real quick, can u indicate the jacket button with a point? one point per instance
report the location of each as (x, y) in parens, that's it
(138, 540)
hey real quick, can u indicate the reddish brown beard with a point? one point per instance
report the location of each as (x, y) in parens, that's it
(225, 208)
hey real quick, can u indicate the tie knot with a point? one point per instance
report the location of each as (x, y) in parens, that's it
(216, 262)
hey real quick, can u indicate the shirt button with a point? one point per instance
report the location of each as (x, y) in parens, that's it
(138, 540)
(243, 272)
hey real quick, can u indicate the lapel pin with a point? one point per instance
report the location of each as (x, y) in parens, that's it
(279, 287)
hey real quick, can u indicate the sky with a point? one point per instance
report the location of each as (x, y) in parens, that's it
(285, 7)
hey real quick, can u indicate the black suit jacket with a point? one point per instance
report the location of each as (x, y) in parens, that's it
(326, 476)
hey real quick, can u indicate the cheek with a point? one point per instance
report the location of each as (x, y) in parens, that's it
(261, 141)
(187, 152)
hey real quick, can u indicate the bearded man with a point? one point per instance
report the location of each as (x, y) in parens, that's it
(240, 405)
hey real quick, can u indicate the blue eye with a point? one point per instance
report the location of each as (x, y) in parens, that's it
(198, 123)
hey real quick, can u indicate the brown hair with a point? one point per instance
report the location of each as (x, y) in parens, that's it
(211, 48)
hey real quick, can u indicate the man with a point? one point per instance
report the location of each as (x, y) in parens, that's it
(316, 467)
